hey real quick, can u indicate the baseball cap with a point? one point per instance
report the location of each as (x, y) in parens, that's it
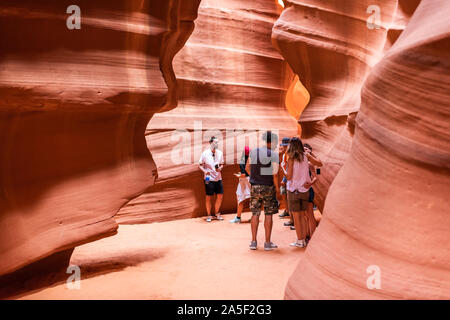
(285, 142)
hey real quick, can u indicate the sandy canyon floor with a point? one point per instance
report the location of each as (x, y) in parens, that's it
(183, 259)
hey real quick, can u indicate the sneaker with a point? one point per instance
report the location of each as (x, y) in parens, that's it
(284, 214)
(253, 245)
(219, 217)
(288, 224)
(298, 244)
(269, 246)
(236, 220)
(208, 219)
(292, 227)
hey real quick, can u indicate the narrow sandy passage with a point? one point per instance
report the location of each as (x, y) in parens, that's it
(184, 259)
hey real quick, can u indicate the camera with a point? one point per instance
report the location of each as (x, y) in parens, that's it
(318, 171)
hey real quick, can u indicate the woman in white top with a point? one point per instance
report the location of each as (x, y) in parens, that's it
(298, 184)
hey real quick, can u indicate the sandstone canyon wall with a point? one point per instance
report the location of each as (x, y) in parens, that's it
(74, 109)
(232, 83)
(330, 47)
(387, 208)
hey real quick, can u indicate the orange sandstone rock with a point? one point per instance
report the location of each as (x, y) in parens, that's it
(74, 108)
(388, 206)
(330, 47)
(232, 83)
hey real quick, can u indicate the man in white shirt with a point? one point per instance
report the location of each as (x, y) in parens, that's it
(211, 163)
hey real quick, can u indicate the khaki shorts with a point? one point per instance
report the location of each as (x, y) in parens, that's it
(298, 201)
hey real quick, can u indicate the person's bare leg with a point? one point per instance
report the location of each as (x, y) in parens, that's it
(284, 202)
(303, 225)
(254, 226)
(240, 208)
(306, 223)
(291, 217)
(312, 224)
(208, 205)
(268, 223)
(218, 204)
(297, 224)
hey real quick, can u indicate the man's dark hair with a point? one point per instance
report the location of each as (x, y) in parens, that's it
(306, 145)
(212, 139)
(269, 136)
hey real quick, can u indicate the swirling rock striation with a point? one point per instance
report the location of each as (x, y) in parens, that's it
(232, 83)
(387, 209)
(73, 113)
(330, 47)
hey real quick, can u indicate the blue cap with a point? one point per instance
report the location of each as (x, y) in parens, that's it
(285, 142)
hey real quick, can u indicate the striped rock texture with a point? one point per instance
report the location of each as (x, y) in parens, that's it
(232, 84)
(386, 214)
(74, 109)
(329, 46)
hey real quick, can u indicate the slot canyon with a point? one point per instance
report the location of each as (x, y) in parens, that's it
(103, 126)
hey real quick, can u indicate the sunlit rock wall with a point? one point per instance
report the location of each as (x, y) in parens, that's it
(230, 77)
(385, 231)
(330, 46)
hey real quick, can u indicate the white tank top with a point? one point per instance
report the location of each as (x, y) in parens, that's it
(300, 175)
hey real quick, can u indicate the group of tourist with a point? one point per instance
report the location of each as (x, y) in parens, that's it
(259, 182)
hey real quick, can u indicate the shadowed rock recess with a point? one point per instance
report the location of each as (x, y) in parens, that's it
(387, 208)
(73, 113)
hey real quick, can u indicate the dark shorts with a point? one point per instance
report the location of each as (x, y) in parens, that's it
(263, 195)
(311, 195)
(214, 187)
(298, 201)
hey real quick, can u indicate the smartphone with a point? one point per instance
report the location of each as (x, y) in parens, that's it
(318, 170)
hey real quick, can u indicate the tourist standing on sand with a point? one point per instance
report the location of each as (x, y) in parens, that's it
(311, 221)
(243, 188)
(283, 152)
(211, 163)
(298, 184)
(263, 168)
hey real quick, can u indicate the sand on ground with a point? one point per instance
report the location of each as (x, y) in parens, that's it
(183, 259)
